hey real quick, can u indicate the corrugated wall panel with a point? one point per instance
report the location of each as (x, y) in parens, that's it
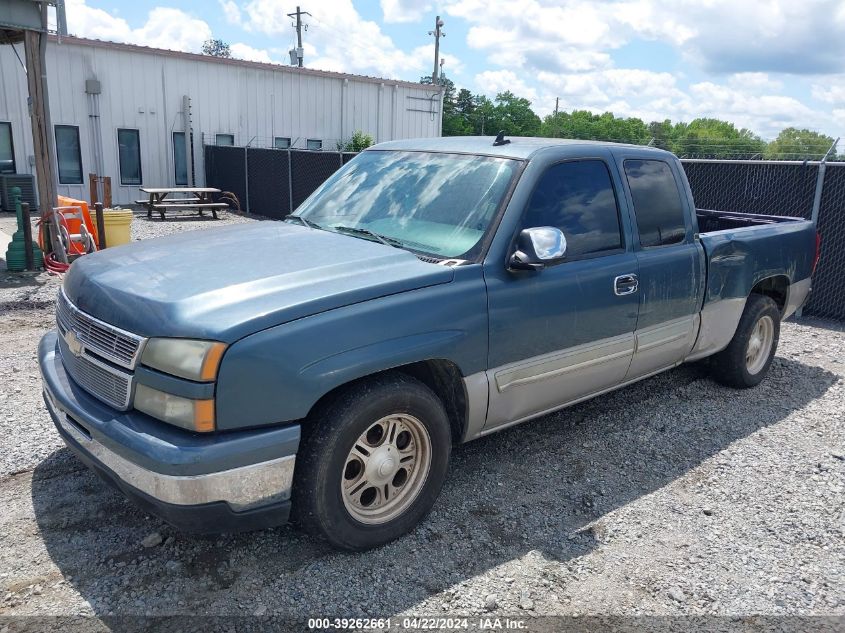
(253, 103)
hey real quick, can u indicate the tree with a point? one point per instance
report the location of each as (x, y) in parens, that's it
(458, 118)
(216, 48)
(714, 138)
(795, 144)
(358, 142)
(582, 124)
(661, 132)
(454, 121)
(514, 116)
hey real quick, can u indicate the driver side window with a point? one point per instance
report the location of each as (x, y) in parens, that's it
(577, 197)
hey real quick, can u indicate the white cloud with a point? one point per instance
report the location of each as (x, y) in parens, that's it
(173, 29)
(231, 11)
(87, 21)
(833, 91)
(342, 40)
(495, 81)
(165, 27)
(749, 50)
(405, 10)
(755, 82)
(247, 52)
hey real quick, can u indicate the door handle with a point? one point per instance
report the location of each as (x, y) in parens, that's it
(626, 285)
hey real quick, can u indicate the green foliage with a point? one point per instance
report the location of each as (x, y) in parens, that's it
(216, 48)
(795, 144)
(513, 115)
(582, 124)
(713, 138)
(467, 114)
(358, 142)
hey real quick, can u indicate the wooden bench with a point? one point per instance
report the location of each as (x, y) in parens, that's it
(199, 206)
(198, 198)
(169, 200)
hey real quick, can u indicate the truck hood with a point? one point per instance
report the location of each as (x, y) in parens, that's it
(226, 283)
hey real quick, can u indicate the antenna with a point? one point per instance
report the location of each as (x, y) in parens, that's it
(500, 139)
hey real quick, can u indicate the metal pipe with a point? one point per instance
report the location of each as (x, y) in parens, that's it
(817, 199)
(751, 162)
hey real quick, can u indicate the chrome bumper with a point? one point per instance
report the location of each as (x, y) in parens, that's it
(241, 488)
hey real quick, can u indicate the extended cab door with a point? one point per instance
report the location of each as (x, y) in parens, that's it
(670, 261)
(566, 331)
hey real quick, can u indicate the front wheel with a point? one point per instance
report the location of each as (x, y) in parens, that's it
(372, 462)
(747, 358)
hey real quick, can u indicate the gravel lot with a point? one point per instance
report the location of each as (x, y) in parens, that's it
(673, 496)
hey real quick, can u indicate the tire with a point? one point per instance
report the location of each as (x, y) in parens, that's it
(738, 365)
(357, 501)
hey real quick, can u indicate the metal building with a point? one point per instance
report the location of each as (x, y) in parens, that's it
(122, 111)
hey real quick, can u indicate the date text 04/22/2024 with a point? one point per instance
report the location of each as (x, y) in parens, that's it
(418, 624)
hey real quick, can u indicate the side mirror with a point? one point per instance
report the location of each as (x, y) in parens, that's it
(537, 248)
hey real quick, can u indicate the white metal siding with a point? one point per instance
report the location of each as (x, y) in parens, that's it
(143, 90)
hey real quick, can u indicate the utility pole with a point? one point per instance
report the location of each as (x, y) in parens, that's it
(557, 107)
(298, 15)
(437, 33)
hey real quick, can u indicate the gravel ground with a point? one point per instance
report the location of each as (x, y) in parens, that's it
(673, 496)
(27, 303)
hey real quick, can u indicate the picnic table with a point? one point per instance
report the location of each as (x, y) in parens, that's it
(198, 198)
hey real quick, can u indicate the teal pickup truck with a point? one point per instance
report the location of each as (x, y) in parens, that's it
(428, 293)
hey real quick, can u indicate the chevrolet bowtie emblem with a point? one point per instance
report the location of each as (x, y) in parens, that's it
(74, 344)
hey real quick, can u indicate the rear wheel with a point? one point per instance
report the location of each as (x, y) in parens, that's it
(748, 357)
(372, 462)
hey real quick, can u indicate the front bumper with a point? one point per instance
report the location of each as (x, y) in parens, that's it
(230, 481)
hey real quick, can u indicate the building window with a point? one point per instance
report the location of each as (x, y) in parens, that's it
(7, 149)
(657, 202)
(281, 142)
(68, 155)
(314, 143)
(129, 156)
(180, 159)
(225, 139)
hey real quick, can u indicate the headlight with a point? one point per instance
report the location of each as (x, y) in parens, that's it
(194, 415)
(186, 358)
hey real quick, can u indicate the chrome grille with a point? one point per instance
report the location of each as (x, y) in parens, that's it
(106, 383)
(118, 346)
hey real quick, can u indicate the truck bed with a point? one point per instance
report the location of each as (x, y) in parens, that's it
(743, 248)
(710, 221)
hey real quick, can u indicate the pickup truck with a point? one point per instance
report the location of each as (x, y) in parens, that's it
(428, 293)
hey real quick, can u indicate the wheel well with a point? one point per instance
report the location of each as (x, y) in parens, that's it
(443, 377)
(776, 288)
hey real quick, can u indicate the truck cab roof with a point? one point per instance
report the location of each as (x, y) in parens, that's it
(519, 147)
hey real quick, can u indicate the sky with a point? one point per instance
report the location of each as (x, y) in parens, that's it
(762, 64)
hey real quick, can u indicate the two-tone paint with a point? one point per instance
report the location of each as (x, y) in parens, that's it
(307, 311)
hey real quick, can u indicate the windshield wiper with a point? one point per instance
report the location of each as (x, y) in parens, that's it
(304, 222)
(357, 230)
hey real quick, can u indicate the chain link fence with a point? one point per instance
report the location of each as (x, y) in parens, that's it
(828, 298)
(769, 188)
(809, 190)
(269, 182)
(274, 182)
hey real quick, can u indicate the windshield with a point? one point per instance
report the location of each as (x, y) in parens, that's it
(436, 204)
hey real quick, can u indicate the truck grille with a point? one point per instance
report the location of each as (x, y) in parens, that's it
(113, 344)
(106, 383)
